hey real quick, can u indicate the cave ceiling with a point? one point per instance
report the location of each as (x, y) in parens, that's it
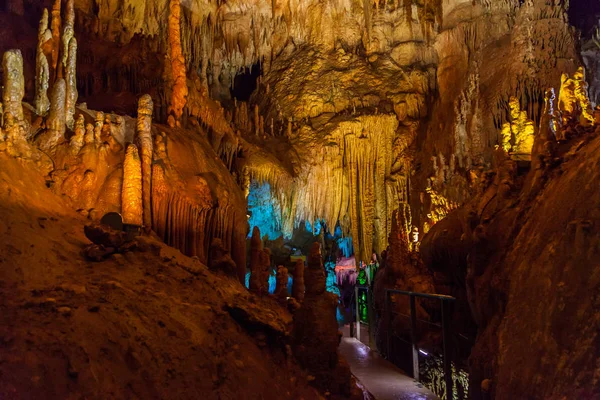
(358, 108)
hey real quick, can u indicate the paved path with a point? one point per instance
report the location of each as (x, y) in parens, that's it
(380, 377)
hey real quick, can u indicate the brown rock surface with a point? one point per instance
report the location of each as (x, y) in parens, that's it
(153, 324)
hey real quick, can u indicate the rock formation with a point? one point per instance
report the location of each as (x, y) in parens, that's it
(315, 334)
(144, 140)
(298, 287)
(132, 208)
(179, 76)
(14, 85)
(220, 260)
(71, 82)
(281, 288)
(42, 69)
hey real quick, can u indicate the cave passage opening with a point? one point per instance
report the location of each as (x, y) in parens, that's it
(246, 82)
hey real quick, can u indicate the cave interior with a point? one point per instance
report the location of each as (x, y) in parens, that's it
(198, 197)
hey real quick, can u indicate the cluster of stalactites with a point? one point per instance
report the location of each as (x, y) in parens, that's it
(357, 181)
(519, 132)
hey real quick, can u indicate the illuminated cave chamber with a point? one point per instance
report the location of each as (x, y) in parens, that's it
(425, 132)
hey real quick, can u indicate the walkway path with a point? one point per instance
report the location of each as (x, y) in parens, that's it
(380, 377)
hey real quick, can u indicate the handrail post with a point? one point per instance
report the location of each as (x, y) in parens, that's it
(357, 313)
(446, 335)
(413, 337)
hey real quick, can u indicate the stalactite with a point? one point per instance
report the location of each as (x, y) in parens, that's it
(14, 84)
(131, 208)
(144, 140)
(71, 83)
(42, 70)
(298, 281)
(180, 90)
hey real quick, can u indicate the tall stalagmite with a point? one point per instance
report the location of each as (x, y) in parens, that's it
(56, 116)
(68, 32)
(144, 141)
(180, 90)
(298, 281)
(256, 248)
(14, 84)
(71, 82)
(55, 26)
(42, 70)
(131, 207)
(315, 336)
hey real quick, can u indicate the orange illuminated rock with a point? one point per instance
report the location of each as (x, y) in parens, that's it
(144, 141)
(180, 90)
(131, 208)
(14, 84)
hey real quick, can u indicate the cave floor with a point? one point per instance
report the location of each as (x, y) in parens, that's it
(381, 378)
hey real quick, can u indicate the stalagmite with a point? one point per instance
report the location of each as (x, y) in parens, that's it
(71, 80)
(42, 70)
(77, 139)
(56, 116)
(14, 84)
(89, 134)
(68, 32)
(256, 248)
(144, 141)
(220, 260)
(298, 287)
(281, 287)
(98, 124)
(180, 89)
(55, 27)
(131, 208)
(315, 334)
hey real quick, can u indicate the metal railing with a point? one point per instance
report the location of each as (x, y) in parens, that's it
(446, 331)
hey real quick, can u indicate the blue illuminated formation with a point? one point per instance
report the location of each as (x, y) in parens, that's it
(264, 211)
(344, 242)
(272, 283)
(316, 227)
(331, 278)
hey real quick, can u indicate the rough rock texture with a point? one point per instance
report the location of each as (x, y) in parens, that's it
(530, 248)
(132, 209)
(13, 89)
(151, 323)
(298, 286)
(316, 336)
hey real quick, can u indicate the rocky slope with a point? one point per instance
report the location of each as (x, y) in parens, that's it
(150, 323)
(529, 242)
